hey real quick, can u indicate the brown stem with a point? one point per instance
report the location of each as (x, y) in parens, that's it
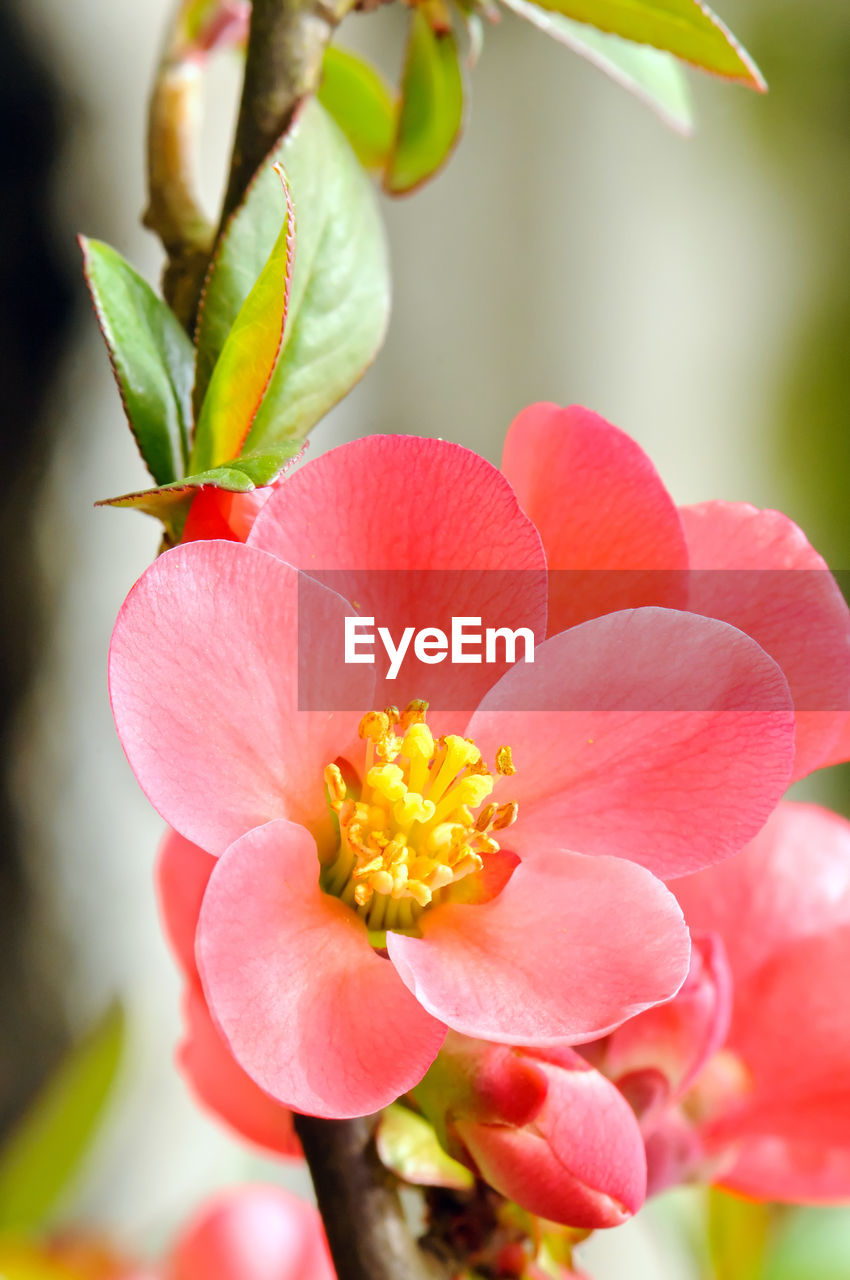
(364, 1220)
(286, 44)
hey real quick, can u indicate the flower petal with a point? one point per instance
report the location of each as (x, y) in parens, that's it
(679, 747)
(570, 948)
(220, 1084)
(678, 1037)
(316, 1017)
(205, 689)
(792, 881)
(182, 872)
(398, 502)
(253, 1233)
(839, 752)
(414, 532)
(760, 573)
(792, 1030)
(795, 1172)
(600, 505)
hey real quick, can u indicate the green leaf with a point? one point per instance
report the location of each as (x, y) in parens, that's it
(360, 102)
(431, 114)
(738, 1235)
(244, 368)
(170, 503)
(46, 1148)
(339, 300)
(151, 356)
(654, 77)
(408, 1146)
(686, 28)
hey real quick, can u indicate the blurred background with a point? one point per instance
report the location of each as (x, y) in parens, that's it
(697, 293)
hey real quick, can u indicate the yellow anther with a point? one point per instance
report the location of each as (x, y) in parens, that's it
(487, 845)
(470, 791)
(486, 816)
(414, 713)
(419, 892)
(506, 816)
(440, 877)
(461, 751)
(415, 829)
(374, 725)
(439, 841)
(368, 867)
(418, 741)
(472, 862)
(393, 853)
(387, 780)
(382, 882)
(335, 784)
(412, 808)
(400, 878)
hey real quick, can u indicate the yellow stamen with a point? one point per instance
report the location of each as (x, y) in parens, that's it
(414, 830)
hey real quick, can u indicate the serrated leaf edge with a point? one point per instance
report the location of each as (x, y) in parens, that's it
(108, 341)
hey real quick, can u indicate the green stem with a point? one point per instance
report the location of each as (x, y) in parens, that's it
(174, 211)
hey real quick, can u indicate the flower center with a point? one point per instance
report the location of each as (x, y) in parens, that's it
(417, 826)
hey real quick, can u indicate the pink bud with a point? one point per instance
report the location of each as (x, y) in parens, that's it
(576, 1157)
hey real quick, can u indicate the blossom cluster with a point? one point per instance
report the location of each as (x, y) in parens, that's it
(589, 941)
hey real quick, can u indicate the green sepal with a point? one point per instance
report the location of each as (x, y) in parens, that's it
(244, 367)
(339, 299)
(686, 28)
(151, 356)
(45, 1150)
(655, 77)
(170, 503)
(361, 103)
(409, 1148)
(431, 113)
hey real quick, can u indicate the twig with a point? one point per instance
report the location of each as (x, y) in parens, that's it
(286, 44)
(174, 211)
(364, 1220)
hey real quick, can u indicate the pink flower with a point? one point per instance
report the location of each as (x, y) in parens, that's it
(744, 1078)
(450, 887)
(541, 1126)
(600, 505)
(217, 1080)
(252, 1233)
